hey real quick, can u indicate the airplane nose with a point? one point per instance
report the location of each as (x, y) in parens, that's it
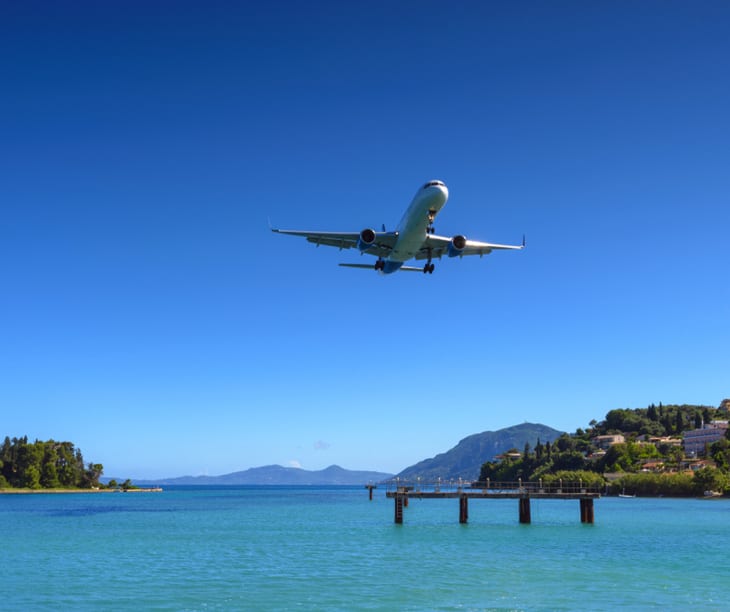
(436, 192)
(440, 193)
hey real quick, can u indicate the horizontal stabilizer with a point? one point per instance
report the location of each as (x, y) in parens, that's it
(363, 266)
(372, 267)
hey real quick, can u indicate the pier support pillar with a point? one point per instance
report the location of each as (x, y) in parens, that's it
(370, 489)
(463, 509)
(586, 511)
(399, 508)
(525, 517)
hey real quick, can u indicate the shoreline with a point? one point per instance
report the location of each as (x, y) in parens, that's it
(88, 491)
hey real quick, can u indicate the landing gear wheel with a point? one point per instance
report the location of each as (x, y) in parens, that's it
(429, 268)
(380, 264)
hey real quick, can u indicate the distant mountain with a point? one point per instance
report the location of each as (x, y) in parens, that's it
(278, 475)
(466, 458)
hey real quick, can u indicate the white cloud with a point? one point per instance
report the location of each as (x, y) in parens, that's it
(295, 464)
(321, 445)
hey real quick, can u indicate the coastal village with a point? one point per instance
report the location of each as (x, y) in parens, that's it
(677, 450)
(695, 444)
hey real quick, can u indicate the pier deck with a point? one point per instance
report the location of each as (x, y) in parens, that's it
(522, 491)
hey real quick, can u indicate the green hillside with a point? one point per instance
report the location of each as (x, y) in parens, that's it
(466, 458)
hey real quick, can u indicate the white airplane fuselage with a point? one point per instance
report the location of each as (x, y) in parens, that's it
(412, 229)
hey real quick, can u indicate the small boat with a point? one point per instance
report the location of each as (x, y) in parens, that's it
(712, 494)
(623, 493)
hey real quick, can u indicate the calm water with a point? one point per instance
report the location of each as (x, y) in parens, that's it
(332, 549)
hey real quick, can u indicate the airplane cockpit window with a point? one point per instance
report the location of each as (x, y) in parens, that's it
(433, 184)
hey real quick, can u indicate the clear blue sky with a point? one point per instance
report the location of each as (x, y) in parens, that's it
(148, 315)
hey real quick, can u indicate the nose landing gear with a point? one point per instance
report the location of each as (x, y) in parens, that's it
(431, 216)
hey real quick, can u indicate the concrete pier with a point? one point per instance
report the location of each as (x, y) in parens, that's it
(524, 492)
(463, 509)
(525, 516)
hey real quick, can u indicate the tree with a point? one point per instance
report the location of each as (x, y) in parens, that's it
(29, 465)
(617, 459)
(583, 477)
(90, 477)
(569, 460)
(49, 475)
(31, 478)
(652, 413)
(710, 479)
(47, 464)
(564, 443)
(720, 453)
(680, 422)
(666, 421)
(539, 451)
(677, 485)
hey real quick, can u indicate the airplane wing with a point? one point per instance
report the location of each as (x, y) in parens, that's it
(381, 247)
(439, 246)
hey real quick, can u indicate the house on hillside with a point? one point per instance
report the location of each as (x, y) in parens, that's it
(510, 455)
(606, 442)
(652, 466)
(695, 465)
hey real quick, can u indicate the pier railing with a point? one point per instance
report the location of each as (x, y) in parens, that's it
(565, 487)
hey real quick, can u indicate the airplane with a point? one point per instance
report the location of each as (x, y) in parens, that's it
(413, 238)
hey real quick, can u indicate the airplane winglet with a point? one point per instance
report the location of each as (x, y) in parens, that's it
(524, 243)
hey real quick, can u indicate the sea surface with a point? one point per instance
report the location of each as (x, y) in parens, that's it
(314, 548)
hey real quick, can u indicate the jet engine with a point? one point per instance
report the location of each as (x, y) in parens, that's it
(457, 245)
(366, 239)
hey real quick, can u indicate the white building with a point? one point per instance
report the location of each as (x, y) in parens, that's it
(606, 442)
(696, 440)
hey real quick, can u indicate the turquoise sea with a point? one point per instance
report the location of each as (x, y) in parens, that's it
(307, 548)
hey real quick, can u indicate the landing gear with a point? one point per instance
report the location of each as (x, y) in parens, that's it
(380, 264)
(429, 267)
(431, 216)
